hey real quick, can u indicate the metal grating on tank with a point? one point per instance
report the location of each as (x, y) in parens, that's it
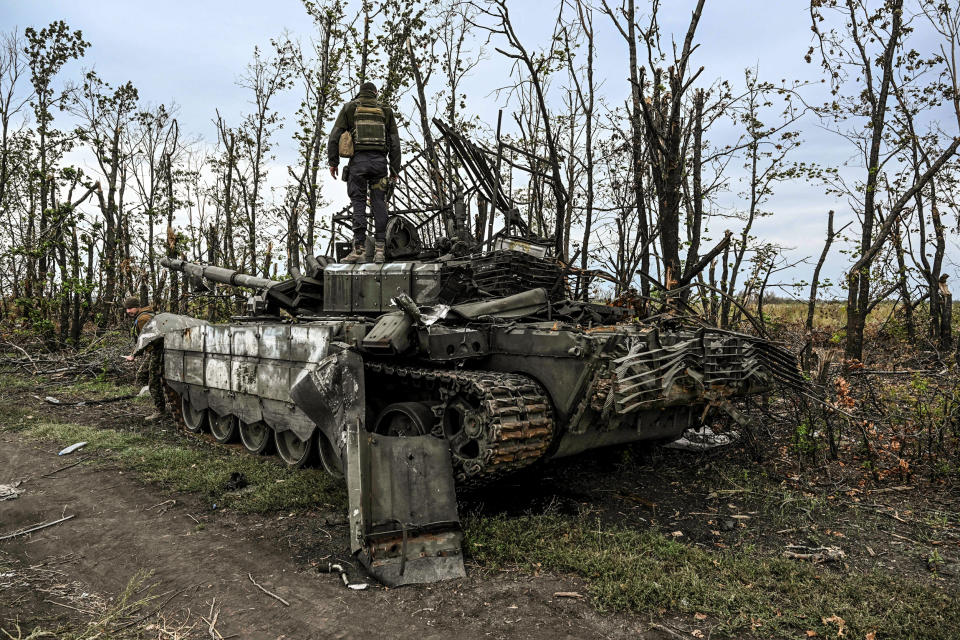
(652, 374)
(505, 273)
(647, 377)
(738, 361)
(728, 360)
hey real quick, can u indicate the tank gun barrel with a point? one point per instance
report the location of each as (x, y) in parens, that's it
(217, 274)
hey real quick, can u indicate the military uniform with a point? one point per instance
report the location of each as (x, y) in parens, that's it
(376, 155)
(150, 371)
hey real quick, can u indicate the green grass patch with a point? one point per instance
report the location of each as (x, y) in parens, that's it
(12, 381)
(14, 413)
(646, 572)
(100, 388)
(199, 467)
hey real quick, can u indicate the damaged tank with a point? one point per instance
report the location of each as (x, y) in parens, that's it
(461, 359)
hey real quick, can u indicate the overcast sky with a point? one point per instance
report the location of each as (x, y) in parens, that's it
(193, 52)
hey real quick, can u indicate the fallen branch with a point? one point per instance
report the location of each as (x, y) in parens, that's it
(815, 555)
(55, 471)
(905, 487)
(212, 629)
(36, 528)
(269, 593)
(152, 613)
(887, 511)
(87, 403)
(95, 359)
(33, 363)
(899, 372)
(60, 604)
(910, 540)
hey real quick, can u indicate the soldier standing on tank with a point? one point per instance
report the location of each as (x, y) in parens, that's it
(150, 371)
(375, 143)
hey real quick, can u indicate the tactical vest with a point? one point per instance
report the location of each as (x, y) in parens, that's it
(369, 127)
(137, 327)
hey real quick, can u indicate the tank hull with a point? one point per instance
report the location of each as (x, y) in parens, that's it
(601, 387)
(410, 378)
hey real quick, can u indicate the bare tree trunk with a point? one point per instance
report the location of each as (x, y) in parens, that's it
(903, 288)
(814, 285)
(695, 211)
(228, 138)
(76, 325)
(946, 314)
(365, 44)
(173, 304)
(433, 161)
(637, 152)
(586, 98)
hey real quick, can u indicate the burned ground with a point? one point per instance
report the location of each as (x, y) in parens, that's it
(645, 541)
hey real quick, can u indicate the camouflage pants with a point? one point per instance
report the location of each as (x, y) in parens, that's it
(150, 373)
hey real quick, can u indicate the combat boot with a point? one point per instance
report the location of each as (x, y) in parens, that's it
(357, 256)
(378, 256)
(159, 414)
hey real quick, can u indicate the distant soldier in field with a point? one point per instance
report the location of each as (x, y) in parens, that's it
(373, 130)
(150, 371)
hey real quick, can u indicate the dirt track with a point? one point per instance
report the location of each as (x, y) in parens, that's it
(720, 501)
(116, 533)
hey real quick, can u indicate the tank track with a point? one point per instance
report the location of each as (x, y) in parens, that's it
(515, 416)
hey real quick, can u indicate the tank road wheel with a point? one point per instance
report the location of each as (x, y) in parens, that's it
(193, 419)
(223, 428)
(292, 450)
(406, 419)
(463, 427)
(329, 456)
(256, 437)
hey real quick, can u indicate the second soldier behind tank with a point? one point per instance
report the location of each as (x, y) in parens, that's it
(376, 154)
(150, 371)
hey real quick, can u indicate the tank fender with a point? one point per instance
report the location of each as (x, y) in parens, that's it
(161, 324)
(332, 393)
